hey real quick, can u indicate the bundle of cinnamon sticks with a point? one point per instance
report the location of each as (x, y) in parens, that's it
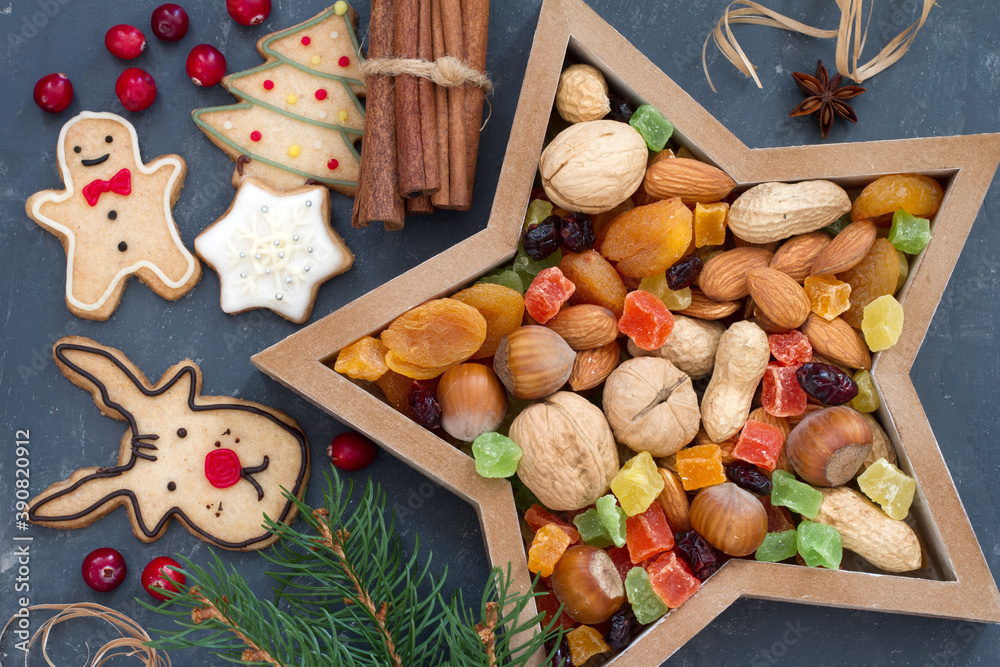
(421, 139)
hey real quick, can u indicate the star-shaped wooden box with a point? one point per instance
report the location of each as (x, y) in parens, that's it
(955, 583)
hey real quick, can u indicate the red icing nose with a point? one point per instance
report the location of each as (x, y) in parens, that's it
(222, 468)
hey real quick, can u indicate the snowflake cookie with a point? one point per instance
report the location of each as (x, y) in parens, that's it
(273, 249)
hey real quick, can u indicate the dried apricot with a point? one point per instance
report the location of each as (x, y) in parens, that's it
(648, 239)
(602, 221)
(501, 307)
(874, 276)
(413, 371)
(919, 195)
(596, 280)
(437, 334)
(364, 359)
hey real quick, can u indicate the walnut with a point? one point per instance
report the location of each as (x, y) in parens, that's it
(592, 167)
(690, 347)
(582, 94)
(569, 456)
(651, 406)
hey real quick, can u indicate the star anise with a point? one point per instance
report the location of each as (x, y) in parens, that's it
(825, 97)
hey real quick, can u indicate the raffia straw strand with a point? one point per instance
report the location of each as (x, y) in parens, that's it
(850, 36)
(447, 72)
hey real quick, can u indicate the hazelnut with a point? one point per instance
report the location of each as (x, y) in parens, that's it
(582, 94)
(731, 519)
(533, 361)
(472, 401)
(828, 446)
(587, 583)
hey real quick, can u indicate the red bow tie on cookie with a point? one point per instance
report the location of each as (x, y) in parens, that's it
(120, 183)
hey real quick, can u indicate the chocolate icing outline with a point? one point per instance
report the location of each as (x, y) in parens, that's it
(133, 427)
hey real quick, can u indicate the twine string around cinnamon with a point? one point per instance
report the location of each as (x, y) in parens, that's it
(446, 71)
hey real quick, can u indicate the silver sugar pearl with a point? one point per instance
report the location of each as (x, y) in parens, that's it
(243, 274)
(309, 249)
(257, 255)
(295, 238)
(288, 280)
(281, 255)
(308, 204)
(278, 296)
(242, 255)
(263, 209)
(267, 271)
(277, 243)
(306, 268)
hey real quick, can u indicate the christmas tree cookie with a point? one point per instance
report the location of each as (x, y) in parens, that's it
(299, 116)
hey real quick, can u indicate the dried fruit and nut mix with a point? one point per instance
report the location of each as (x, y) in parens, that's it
(672, 375)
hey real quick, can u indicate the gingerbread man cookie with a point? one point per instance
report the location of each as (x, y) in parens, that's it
(217, 465)
(113, 217)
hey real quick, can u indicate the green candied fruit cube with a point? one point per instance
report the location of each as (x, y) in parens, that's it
(819, 544)
(506, 277)
(654, 128)
(646, 603)
(613, 518)
(496, 455)
(909, 233)
(592, 530)
(795, 495)
(838, 225)
(527, 268)
(867, 398)
(777, 547)
(538, 210)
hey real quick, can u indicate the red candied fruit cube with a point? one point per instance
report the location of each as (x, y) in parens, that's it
(622, 560)
(759, 444)
(537, 516)
(779, 519)
(548, 604)
(672, 579)
(646, 320)
(790, 348)
(648, 534)
(548, 292)
(782, 395)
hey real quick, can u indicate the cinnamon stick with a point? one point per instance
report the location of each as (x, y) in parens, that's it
(377, 198)
(475, 24)
(419, 206)
(454, 43)
(428, 102)
(441, 198)
(410, 155)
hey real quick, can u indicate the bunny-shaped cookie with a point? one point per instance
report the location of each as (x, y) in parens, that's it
(215, 464)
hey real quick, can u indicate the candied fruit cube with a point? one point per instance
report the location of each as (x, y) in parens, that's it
(584, 643)
(759, 444)
(546, 549)
(364, 359)
(777, 547)
(672, 580)
(527, 268)
(710, 223)
(790, 348)
(637, 484)
(649, 239)
(648, 534)
(613, 518)
(819, 544)
(781, 393)
(909, 233)
(795, 495)
(904, 269)
(592, 530)
(548, 292)
(622, 560)
(867, 399)
(596, 280)
(549, 605)
(647, 605)
(655, 131)
(828, 297)
(496, 455)
(537, 516)
(888, 486)
(538, 210)
(700, 466)
(646, 320)
(882, 323)
(672, 299)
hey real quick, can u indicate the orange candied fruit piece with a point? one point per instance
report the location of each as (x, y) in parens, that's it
(584, 643)
(828, 296)
(918, 195)
(434, 335)
(649, 239)
(548, 292)
(646, 320)
(710, 223)
(875, 275)
(364, 359)
(501, 307)
(596, 280)
(546, 549)
(700, 466)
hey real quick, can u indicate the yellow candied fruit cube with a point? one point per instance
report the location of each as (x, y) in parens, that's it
(700, 466)
(364, 359)
(882, 323)
(637, 484)
(828, 296)
(888, 486)
(710, 223)
(673, 300)
(867, 398)
(584, 643)
(547, 547)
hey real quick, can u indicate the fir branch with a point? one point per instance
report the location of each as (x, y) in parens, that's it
(211, 612)
(486, 634)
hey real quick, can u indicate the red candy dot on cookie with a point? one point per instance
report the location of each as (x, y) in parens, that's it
(306, 40)
(344, 61)
(321, 94)
(268, 84)
(255, 136)
(222, 468)
(332, 164)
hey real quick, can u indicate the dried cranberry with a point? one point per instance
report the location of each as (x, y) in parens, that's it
(748, 476)
(684, 272)
(622, 628)
(576, 232)
(699, 554)
(561, 657)
(425, 405)
(827, 384)
(621, 110)
(542, 239)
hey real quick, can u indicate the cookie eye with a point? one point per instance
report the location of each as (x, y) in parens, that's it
(171, 486)
(112, 215)
(77, 149)
(182, 433)
(108, 139)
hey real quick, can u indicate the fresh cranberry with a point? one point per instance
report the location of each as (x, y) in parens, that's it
(103, 569)
(169, 22)
(135, 89)
(351, 451)
(53, 92)
(206, 65)
(125, 41)
(156, 582)
(249, 12)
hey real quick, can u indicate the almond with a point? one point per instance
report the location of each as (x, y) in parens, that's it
(837, 340)
(585, 327)
(724, 277)
(796, 256)
(775, 211)
(706, 309)
(691, 180)
(592, 367)
(846, 249)
(674, 502)
(779, 298)
(765, 323)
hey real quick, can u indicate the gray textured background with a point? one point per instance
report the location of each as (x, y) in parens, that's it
(949, 83)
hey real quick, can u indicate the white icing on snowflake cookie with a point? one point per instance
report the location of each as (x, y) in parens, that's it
(273, 249)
